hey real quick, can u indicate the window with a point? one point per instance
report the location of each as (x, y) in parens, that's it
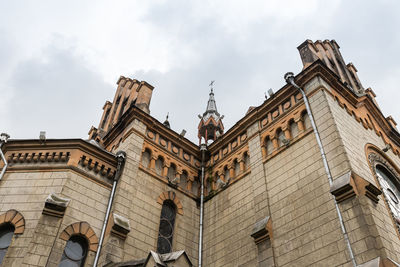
(269, 146)
(281, 137)
(306, 121)
(171, 172)
(166, 230)
(237, 167)
(294, 131)
(6, 234)
(226, 174)
(75, 251)
(184, 180)
(159, 165)
(146, 157)
(391, 189)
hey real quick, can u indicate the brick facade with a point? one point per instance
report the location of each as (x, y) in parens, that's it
(268, 201)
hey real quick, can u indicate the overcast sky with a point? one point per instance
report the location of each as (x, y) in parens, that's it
(60, 60)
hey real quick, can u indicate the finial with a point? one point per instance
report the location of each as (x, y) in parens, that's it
(211, 85)
(166, 122)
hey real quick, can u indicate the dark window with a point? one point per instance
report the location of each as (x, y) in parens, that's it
(6, 234)
(166, 231)
(391, 190)
(75, 252)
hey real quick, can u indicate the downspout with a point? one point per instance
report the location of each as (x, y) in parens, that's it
(289, 77)
(3, 139)
(203, 149)
(121, 156)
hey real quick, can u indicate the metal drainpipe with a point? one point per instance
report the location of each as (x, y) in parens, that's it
(203, 149)
(3, 139)
(289, 77)
(121, 156)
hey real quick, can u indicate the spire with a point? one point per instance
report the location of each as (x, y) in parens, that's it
(166, 122)
(210, 126)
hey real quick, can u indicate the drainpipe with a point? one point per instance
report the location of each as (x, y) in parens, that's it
(121, 156)
(203, 149)
(3, 139)
(289, 77)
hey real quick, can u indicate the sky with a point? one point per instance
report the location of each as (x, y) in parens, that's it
(60, 60)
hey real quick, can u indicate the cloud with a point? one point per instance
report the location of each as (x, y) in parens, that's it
(56, 92)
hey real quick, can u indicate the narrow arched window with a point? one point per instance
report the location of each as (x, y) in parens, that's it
(246, 160)
(306, 121)
(281, 137)
(227, 174)
(237, 167)
(269, 146)
(183, 183)
(171, 172)
(166, 230)
(146, 157)
(294, 131)
(75, 252)
(195, 187)
(391, 190)
(159, 165)
(6, 234)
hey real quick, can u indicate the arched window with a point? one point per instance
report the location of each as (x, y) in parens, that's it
(166, 230)
(294, 131)
(281, 137)
(226, 174)
(306, 121)
(6, 234)
(269, 146)
(75, 252)
(159, 165)
(146, 156)
(237, 167)
(184, 180)
(246, 160)
(195, 187)
(171, 172)
(391, 189)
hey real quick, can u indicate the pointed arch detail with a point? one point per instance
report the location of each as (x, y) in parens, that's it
(173, 197)
(82, 229)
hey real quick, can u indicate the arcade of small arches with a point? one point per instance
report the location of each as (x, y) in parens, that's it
(281, 135)
(228, 171)
(170, 170)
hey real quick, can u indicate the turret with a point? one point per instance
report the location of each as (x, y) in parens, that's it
(210, 126)
(329, 53)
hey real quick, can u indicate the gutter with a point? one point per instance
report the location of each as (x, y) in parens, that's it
(3, 139)
(289, 77)
(121, 156)
(203, 149)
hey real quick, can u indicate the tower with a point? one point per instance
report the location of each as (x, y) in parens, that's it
(210, 126)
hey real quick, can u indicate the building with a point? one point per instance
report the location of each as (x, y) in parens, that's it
(272, 197)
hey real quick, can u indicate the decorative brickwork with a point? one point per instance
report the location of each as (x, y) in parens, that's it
(83, 229)
(15, 218)
(174, 198)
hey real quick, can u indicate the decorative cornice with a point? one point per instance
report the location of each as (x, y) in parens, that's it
(77, 154)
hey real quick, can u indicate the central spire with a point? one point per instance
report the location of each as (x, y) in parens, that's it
(210, 126)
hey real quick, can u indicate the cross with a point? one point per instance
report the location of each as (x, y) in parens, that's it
(211, 85)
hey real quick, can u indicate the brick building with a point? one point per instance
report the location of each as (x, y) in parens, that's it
(275, 193)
